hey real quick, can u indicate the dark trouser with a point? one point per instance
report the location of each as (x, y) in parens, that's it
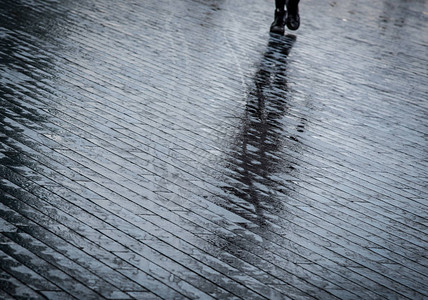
(291, 4)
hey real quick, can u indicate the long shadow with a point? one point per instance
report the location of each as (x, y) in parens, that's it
(257, 166)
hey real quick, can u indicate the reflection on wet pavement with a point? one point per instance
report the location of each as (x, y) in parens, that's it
(256, 152)
(151, 150)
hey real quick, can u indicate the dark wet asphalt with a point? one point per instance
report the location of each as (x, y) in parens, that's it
(173, 149)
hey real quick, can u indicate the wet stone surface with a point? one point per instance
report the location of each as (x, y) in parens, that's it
(175, 150)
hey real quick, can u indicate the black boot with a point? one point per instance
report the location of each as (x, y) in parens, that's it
(279, 22)
(293, 18)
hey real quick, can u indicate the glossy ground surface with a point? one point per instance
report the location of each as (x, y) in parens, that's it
(173, 149)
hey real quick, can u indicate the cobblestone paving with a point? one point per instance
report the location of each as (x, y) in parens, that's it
(173, 149)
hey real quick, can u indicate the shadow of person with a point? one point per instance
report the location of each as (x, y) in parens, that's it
(257, 166)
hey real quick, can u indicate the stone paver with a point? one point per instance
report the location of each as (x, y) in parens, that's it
(175, 150)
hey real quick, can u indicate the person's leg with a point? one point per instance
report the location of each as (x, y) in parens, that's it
(279, 4)
(293, 18)
(279, 19)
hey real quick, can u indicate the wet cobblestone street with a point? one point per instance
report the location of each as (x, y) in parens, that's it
(176, 150)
